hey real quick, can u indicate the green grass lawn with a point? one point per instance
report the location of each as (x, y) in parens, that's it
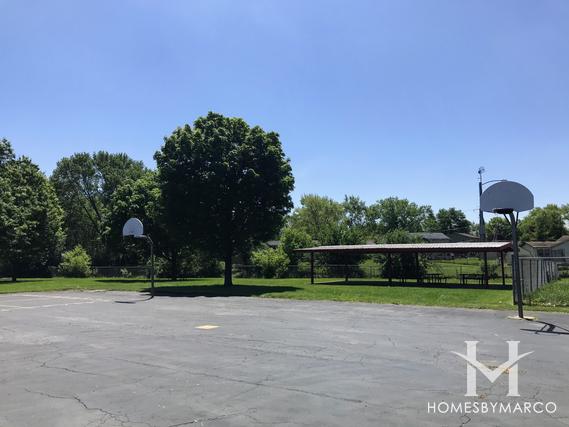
(554, 295)
(452, 268)
(301, 289)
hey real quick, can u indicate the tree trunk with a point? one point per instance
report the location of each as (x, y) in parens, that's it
(228, 271)
(13, 273)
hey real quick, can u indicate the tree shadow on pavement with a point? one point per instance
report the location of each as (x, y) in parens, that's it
(219, 290)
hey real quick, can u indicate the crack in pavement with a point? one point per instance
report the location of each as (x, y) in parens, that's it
(202, 420)
(464, 419)
(255, 383)
(121, 419)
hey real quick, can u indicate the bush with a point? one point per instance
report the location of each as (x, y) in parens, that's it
(273, 262)
(292, 239)
(76, 263)
(190, 264)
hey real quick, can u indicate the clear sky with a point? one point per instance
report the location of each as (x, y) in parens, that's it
(373, 98)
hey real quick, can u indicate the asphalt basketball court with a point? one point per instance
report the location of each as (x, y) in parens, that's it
(122, 359)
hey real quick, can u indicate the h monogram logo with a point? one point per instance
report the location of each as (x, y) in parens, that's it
(510, 365)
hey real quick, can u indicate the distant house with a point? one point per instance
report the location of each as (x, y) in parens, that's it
(273, 243)
(430, 237)
(463, 237)
(548, 249)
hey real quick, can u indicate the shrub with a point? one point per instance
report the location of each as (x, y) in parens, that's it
(76, 263)
(273, 262)
(292, 239)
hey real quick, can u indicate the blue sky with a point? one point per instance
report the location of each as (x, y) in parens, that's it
(373, 98)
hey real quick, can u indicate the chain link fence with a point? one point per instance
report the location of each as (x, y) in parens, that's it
(122, 271)
(535, 272)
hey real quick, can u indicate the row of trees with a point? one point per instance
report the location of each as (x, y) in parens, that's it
(321, 220)
(324, 221)
(31, 218)
(548, 223)
(220, 189)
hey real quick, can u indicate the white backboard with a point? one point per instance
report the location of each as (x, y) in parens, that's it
(506, 195)
(133, 227)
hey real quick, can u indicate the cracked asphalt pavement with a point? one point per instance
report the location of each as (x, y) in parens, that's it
(117, 359)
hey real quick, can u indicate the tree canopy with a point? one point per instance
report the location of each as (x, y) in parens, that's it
(220, 190)
(543, 224)
(85, 184)
(394, 213)
(319, 217)
(6, 151)
(498, 228)
(452, 220)
(31, 233)
(225, 185)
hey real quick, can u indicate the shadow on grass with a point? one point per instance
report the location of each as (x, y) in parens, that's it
(415, 285)
(144, 280)
(10, 282)
(218, 290)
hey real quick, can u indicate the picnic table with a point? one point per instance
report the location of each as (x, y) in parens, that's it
(435, 278)
(465, 277)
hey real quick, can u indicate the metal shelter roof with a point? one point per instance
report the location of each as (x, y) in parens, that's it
(398, 248)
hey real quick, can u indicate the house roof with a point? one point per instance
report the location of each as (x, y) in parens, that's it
(467, 235)
(431, 235)
(548, 243)
(461, 247)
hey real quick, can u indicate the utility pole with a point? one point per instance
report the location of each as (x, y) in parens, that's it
(482, 228)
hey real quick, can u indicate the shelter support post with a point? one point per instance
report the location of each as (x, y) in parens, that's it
(503, 270)
(312, 268)
(486, 268)
(417, 269)
(389, 267)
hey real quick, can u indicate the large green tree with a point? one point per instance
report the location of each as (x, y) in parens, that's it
(543, 224)
(141, 198)
(319, 217)
(328, 222)
(6, 151)
(225, 185)
(30, 216)
(565, 211)
(498, 228)
(398, 214)
(452, 220)
(85, 184)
